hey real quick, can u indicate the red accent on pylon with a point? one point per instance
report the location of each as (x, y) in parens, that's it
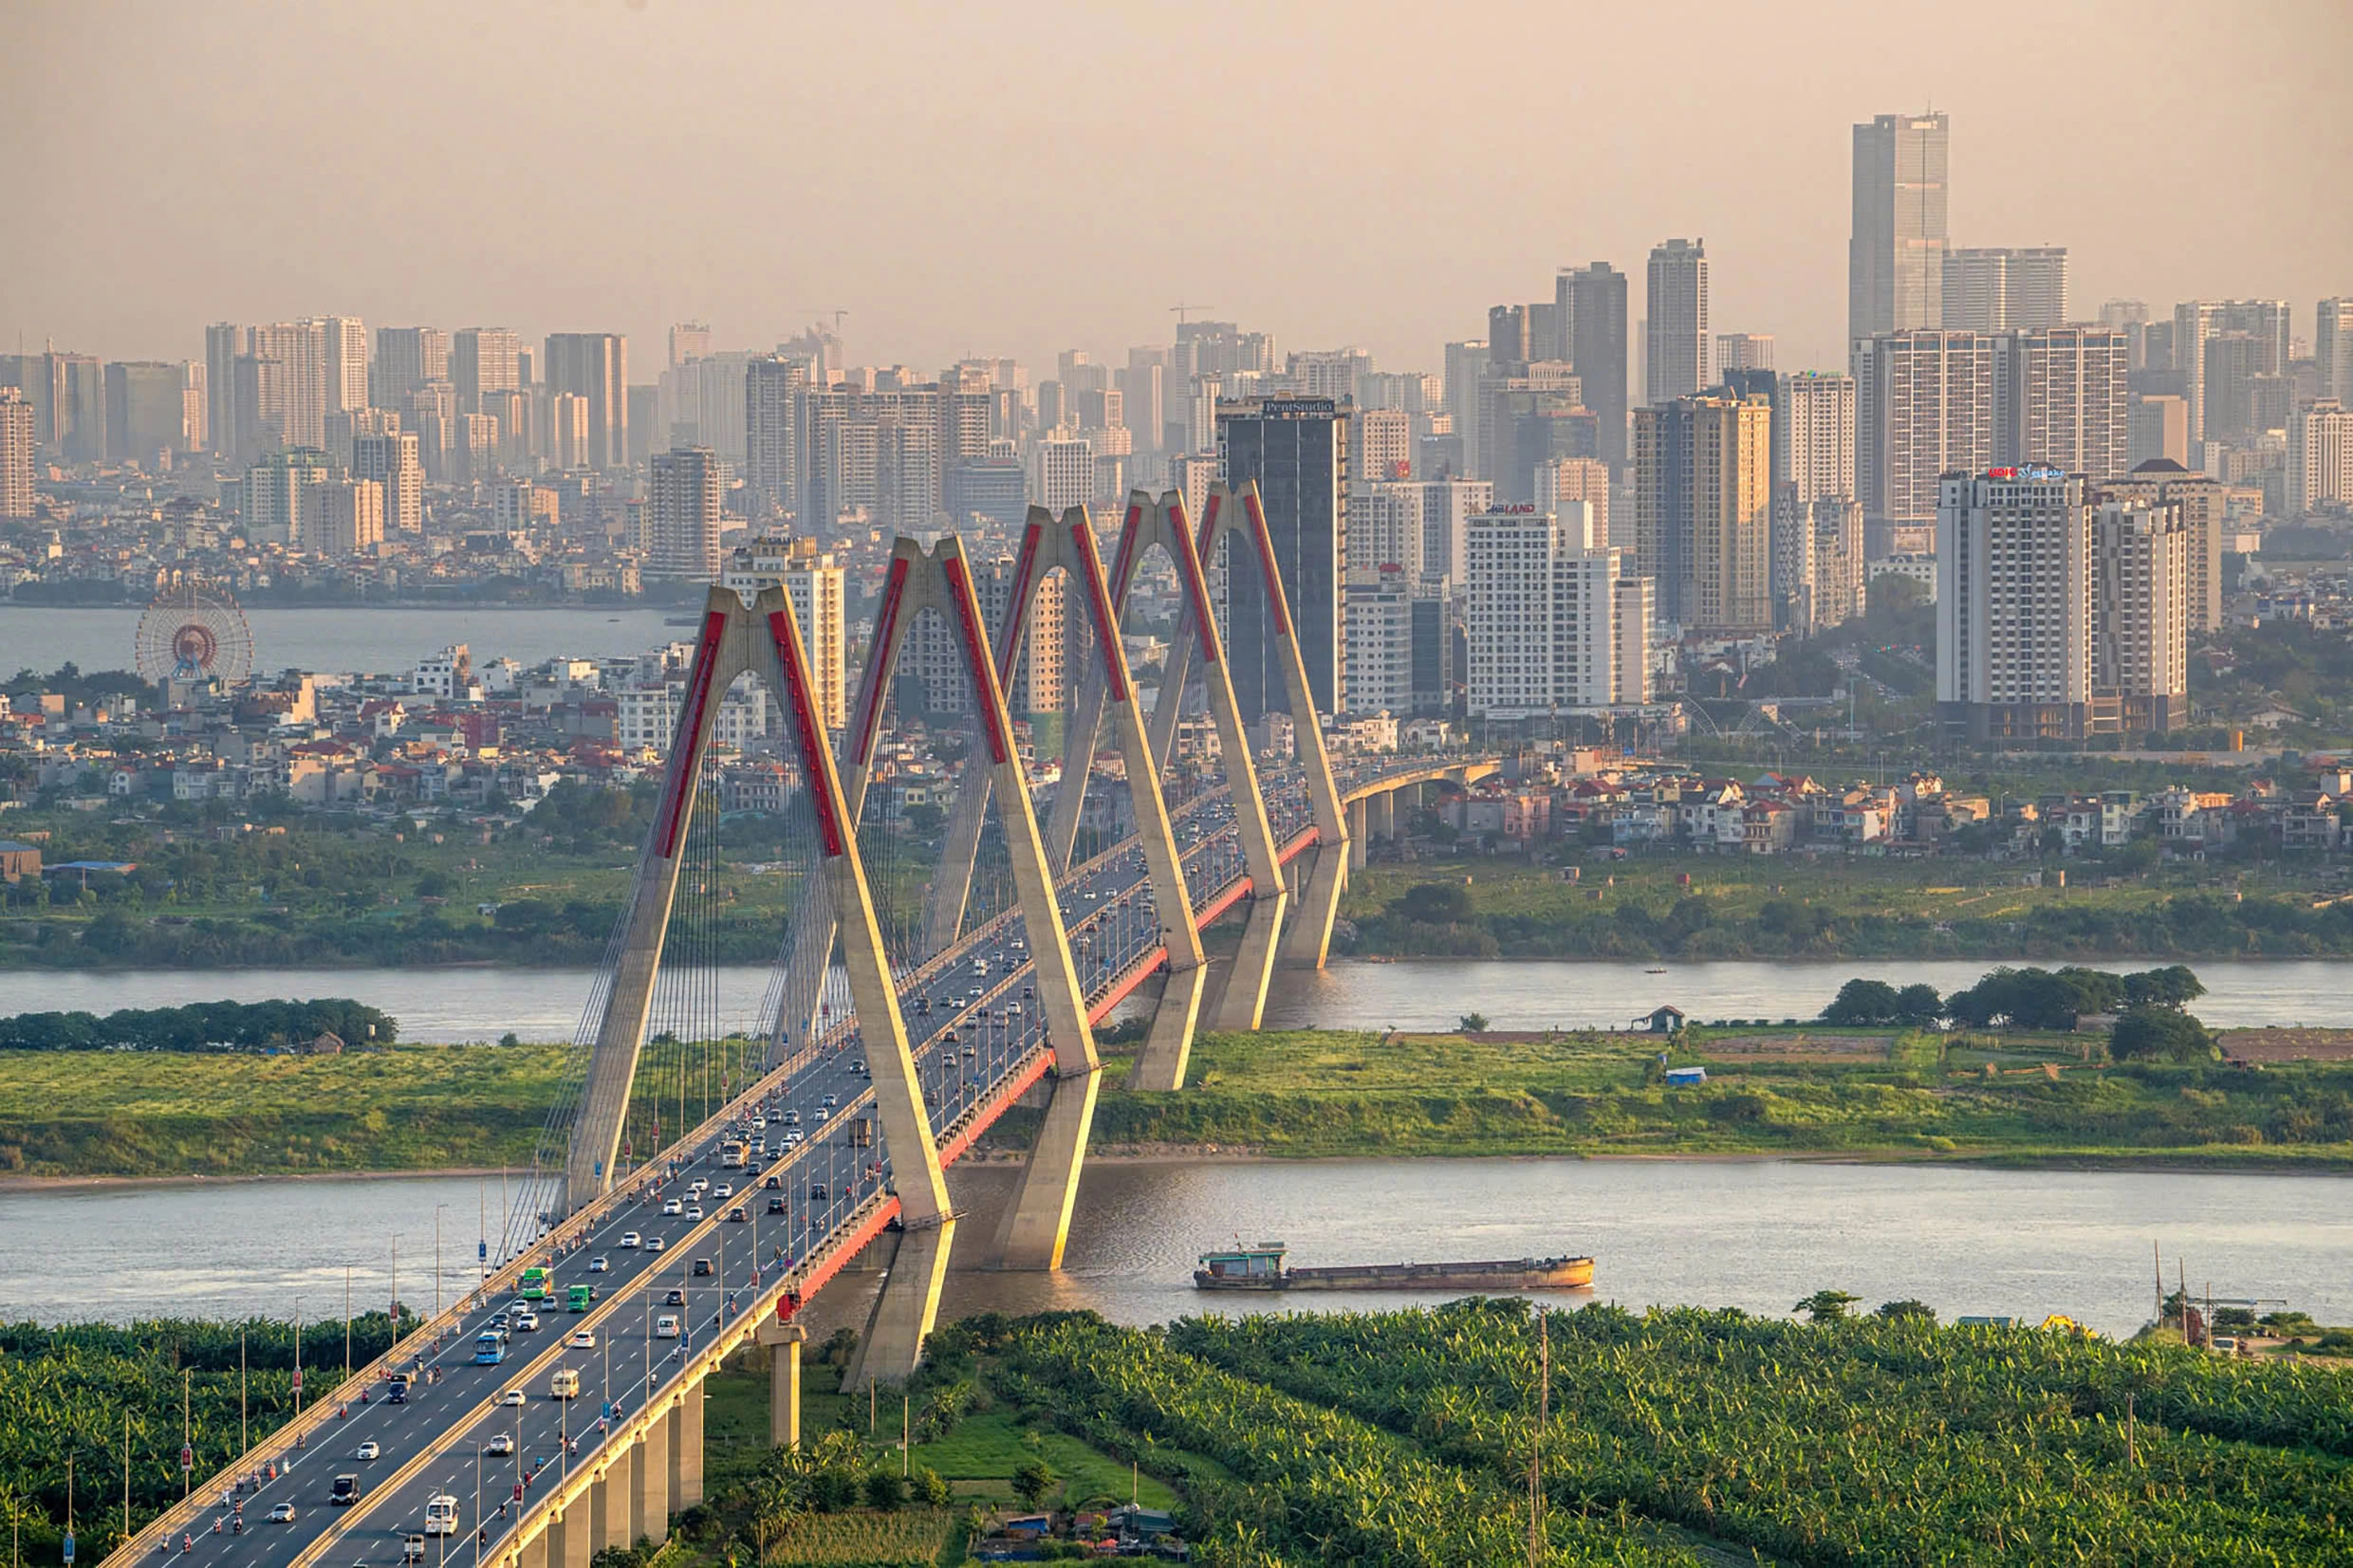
(985, 694)
(809, 733)
(1099, 605)
(686, 753)
(1277, 602)
(872, 687)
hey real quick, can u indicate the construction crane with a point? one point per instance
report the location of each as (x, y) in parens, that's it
(1181, 306)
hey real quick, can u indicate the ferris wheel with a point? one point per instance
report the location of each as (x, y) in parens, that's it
(192, 630)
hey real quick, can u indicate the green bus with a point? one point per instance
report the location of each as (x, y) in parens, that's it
(535, 1284)
(576, 1300)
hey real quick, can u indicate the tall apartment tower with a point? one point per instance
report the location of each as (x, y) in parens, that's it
(1743, 351)
(1895, 259)
(773, 383)
(595, 366)
(16, 494)
(1703, 511)
(1297, 450)
(484, 361)
(1541, 615)
(2006, 290)
(408, 358)
(2196, 322)
(1591, 307)
(2014, 605)
(346, 343)
(2140, 636)
(2200, 501)
(2063, 400)
(815, 583)
(682, 516)
(1676, 365)
(225, 344)
(2332, 348)
(393, 462)
(1923, 408)
(2320, 457)
(300, 348)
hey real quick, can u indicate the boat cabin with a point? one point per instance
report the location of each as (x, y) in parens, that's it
(1263, 1262)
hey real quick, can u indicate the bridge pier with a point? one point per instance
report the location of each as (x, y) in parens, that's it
(1168, 1048)
(909, 1304)
(1310, 939)
(685, 1443)
(1380, 817)
(1244, 1000)
(784, 1342)
(1357, 814)
(569, 1542)
(649, 1491)
(534, 1553)
(1037, 1227)
(608, 1502)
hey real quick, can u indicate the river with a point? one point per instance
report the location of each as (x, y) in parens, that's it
(453, 1005)
(1753, 1234)
(372, 641)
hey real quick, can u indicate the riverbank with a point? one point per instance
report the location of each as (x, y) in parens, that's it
(1857, 1094)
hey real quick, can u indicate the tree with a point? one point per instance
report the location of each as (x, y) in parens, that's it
(1863, 1002)
(2176, 986)
(2160, 1034)
(931, 1489)
(1436, 903)
(1034, 1480)
(884, 1489)
(1906, 1310)
(1827, 1306)
(1919, 1003)
(1472, 1024)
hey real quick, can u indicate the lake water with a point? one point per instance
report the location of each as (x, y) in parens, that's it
(379, 641)
(450, 1005)
(1755, 1234)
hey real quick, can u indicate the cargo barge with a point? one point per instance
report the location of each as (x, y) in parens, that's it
(1261, 1268)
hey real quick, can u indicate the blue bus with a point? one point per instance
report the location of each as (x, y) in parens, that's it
(490, 1349)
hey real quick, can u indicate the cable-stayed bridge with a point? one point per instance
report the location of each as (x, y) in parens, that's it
(915, 998)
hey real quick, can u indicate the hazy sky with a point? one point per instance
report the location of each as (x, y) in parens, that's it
(969, 179)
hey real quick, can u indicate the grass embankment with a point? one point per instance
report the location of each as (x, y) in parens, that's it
(1769, 1091)
(407, 1108)
(1844, 906)
(1304, 1093)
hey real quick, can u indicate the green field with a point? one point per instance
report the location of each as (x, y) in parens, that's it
(1844, 906)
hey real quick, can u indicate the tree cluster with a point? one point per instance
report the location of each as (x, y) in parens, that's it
(2026, 998)
(201, 1026)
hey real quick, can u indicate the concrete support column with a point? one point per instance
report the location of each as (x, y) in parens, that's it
(569, 1543)
(1356, 834)
(1245, 998)
(608, 1502)
(1168, 1049)
(1037, 1227)
(532, 1553)
(649, 1491)
(1310, 939)
(1380, 815)
(687, 1464)
(905, 1310)
(784, 1342)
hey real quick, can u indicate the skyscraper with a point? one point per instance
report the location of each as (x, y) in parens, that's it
(406, 359)
(1923, 408)
(682, 516)
(392, 461)
(815, 585)
(146, 409)
(771, 430)
(2332, 348)
(346, 363)
(1743, 351)
(1297, 450)
(2320, 457)
(689, 341)
(1591, 310)
(484, 360)
(595, 366)
(1703, 511)
(2006, 290)
(2014, 605)
(1676, 333)
(1895, 260)
(16, 494)
(2140, 642)
(2063, 397)
(2197, 321)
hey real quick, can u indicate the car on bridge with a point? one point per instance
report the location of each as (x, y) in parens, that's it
(527, 1322)
(513, 1396)
(345, 1492)
(501, 1443)
(693, 1212)
(674, 1205)
(581, 1338)
(655, 1243)
(677, 1298)
(630, 1239)
(368, 1450)
(282, 1514)
(598, 1265)
(666, 1327)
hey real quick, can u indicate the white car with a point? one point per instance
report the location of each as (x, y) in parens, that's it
(792, 1135)
(500, 1443)
(583, 1338)
(513, 1396)
(724, 1189)
(695, 1211)
(598, 1265)
(700, 1184)
(527, 1322)
(629, 1240)
(674, 1205)
(282, 1514)
(666, 1327)
(655, 1243)
(368, 1450)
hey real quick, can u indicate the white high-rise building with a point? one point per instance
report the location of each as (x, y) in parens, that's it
(2141, 615)
(1541, 615)
(1923, 408)
(16, 492)
(2320, 457)
(1378, 640)
(393, 462)
(1062, 472)
(2332, 348)
(682, 516)
(2063, 400)
(1447, 508)
(346, 363)
(1676, 329)
(2006, 290)
(1814, 429)
(1385, 526)
(1743, 351)
(2014, 605)
(816, 586)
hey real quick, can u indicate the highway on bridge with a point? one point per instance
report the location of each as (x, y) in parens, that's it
(682, 1249)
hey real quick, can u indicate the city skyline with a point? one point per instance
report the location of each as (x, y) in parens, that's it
(1453, 225)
